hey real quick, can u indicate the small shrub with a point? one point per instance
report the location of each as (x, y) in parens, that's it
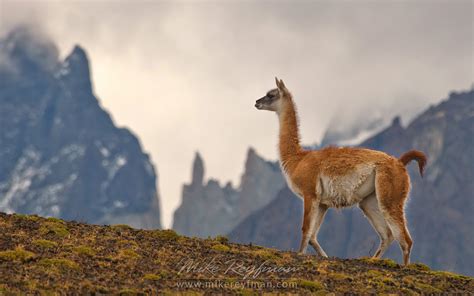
(129, 244)
(427, 289)
(18, 255)
(419, 266)
(121, 227)
(84, 250)
(265, 254)
(374, 273)
(450, 275)
(151, 277)
(221, 248)
(310, 285)
(26, 217)
(59, 263)
(44, 243)
(128, 254)
(381, 262)
(222, 239)
(55, 220)
(57, 229)
(167, 234)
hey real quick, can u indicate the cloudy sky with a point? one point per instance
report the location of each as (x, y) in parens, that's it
(184, 75)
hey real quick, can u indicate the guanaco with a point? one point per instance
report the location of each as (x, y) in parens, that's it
(340, 177)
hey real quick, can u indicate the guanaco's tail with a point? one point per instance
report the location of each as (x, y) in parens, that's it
(419, 156)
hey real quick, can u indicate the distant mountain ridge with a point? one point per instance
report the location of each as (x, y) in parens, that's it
(207, 209)
(60, 152)
(439, 210)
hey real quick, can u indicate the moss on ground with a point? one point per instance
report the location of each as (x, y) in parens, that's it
(51, 256)
(55, 220)
(128, 254)
(381, 262)
(167, 234)
(152, 277)
(59, 263)
(220, 248)
(313, 286)
(16, 255)
(85, 250)
(221, 239)
(58, 230)
(121, 227)
(26, 217)
(266, 254)
(44, 243)
(419, 266)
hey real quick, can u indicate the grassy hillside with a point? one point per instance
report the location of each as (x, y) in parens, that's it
(47, 255)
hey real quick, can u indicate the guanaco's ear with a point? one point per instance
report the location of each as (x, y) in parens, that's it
(282, 85)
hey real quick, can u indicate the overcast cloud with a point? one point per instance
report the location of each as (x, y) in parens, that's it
(184, 76)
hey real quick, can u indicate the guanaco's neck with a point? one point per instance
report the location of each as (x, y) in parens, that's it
(289, 142)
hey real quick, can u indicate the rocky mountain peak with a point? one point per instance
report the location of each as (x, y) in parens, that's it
(61, 154)
(396, 121)
(210, 209)
(197, 171)
(75, 70)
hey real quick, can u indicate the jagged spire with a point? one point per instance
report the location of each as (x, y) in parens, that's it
(75, 69)
(198, 171)
(396, 121)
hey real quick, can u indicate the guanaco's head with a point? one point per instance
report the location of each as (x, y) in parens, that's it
(275, 98)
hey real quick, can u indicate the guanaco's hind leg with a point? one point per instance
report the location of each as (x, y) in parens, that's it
(371, 210)
(397, 223)
(319, 217)
(392, 191)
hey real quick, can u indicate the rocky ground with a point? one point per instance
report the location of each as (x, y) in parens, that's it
(40, 256)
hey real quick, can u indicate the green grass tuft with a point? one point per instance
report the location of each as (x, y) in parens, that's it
(128, 292)
(310, 285)
(128, 254)
(57, 229)
(221, 248)
(84, 250)
(121, 226)
(374, 273)
(44, 243)
(59, 263)
(450, 275)
(26, 217)
(55, 220)
(17, 255)
(151, 277)
(381, 262)
(419, 266)
(266, 254)
(167, 234)
(222, 239)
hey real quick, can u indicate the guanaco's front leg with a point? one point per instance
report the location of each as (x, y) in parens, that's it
(319, 217)
(311, 205)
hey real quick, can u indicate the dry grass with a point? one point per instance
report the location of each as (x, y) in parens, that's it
(44, 256)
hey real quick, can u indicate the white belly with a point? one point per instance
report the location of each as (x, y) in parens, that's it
(347, 190)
